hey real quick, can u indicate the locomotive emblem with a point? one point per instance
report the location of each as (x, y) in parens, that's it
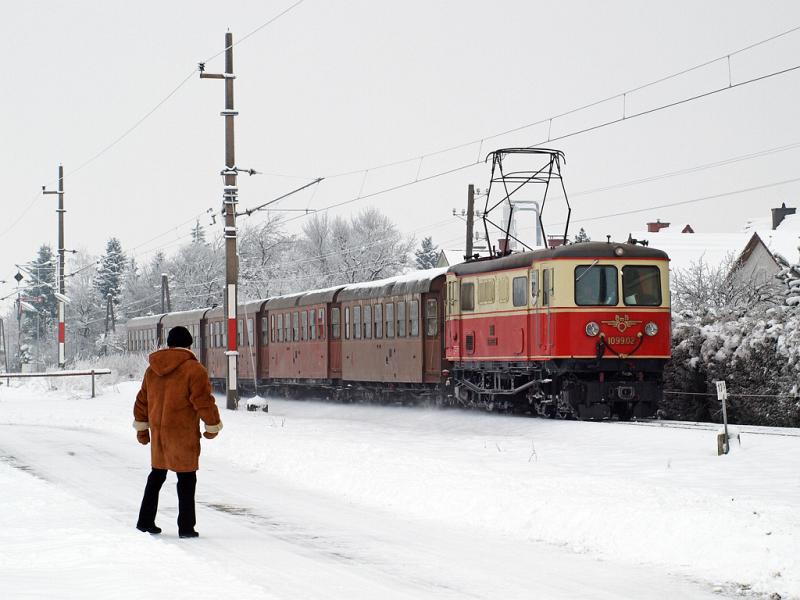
(621, 322)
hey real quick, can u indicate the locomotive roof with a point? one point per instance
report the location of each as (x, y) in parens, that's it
(411, 283)
(579, 250)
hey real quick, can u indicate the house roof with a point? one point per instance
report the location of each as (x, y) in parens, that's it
(687, 249)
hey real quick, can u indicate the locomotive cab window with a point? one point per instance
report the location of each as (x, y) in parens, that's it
(547, 286)
(467, 296)
(641, 286)
(596, 285)
(520, 291)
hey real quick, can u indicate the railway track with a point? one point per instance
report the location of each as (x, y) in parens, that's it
(748, 429)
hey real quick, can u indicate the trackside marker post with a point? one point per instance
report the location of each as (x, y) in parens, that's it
(723, 443)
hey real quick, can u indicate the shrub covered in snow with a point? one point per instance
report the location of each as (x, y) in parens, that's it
(752, 343)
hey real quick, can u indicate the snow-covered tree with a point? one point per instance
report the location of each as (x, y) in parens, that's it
(85, 312)
(427, 254)
(110, 272)
(40, 289)
(582, 236)
(198, 234)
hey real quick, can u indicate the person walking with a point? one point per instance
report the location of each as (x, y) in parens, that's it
(175, 397)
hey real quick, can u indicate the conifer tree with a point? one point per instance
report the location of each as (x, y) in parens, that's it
(40, 289)
(110, 272)
(427, 254)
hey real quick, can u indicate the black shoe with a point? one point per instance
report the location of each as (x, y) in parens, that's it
(151, 529)
(188, 534)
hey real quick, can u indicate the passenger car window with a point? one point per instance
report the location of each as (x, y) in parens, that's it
(596, 285)
(357, 322)
(347, 322)
(641, 286)
(413, 317)
(431, 317)
(520, 292)
(368, 321)
(335, 316)
(303, 325)
(389, 320)
(379, 321)
(401, 319)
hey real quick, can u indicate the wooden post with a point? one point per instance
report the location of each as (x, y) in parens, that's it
(92, 383)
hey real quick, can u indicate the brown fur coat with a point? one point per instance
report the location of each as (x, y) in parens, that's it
(175, 396)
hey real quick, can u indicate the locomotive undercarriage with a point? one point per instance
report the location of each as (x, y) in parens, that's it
(564, 388)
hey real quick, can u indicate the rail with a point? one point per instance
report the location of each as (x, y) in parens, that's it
(91, 372)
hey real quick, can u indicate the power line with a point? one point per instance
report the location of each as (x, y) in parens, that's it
(550, 119)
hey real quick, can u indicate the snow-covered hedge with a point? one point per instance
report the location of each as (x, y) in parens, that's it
(754, 346)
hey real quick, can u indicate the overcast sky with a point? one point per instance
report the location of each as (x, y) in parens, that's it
(344, 86)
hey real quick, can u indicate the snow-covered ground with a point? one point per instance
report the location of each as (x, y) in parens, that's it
(330, 501)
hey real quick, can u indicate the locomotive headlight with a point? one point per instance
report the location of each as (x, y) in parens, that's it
(619, 251)
(592, 329)
(651, 328)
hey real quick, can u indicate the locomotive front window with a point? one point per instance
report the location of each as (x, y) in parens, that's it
(596, 285)
(641, 286)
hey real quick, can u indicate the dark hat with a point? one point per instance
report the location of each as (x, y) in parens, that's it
(179, 337)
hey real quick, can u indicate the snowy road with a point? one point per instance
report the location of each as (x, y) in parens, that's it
(295, 545)
(286, 518)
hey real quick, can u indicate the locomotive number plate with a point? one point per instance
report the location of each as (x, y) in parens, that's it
(622, 340)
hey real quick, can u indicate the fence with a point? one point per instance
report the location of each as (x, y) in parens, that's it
(93, 373)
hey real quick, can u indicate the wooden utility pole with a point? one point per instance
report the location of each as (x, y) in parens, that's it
(61, 250)
(229, 202)
(166, 306)
(470, 219)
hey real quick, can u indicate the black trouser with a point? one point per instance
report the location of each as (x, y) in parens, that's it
(187, 482)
